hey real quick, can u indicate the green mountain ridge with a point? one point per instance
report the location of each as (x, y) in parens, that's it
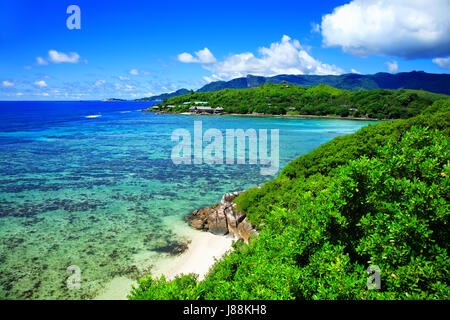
(417, 80)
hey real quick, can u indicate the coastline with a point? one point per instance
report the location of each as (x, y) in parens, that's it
(304, 116)
(202, 253)
(209, 234)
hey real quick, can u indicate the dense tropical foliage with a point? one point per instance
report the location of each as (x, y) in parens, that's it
(320, 100)
(378, 197)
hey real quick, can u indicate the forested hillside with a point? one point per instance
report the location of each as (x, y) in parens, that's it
(320, 100)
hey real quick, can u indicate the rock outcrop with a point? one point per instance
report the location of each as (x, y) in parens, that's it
(222, 219)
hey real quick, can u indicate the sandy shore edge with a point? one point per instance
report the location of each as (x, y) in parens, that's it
(200, 256)
(203, 251)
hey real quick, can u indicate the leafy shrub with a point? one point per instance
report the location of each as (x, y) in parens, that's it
(183, 287)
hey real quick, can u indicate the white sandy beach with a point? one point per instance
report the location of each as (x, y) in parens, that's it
(205, 248)
(202, 253)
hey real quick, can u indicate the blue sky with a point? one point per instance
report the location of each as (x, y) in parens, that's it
(130, 49)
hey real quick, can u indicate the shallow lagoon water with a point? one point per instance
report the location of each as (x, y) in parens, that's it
(92, 184)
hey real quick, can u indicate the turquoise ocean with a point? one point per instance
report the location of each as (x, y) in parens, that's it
(92, 184)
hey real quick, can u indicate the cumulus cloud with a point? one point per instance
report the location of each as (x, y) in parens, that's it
(186, 58)
(60, 57)
(355, 71)
(7, 83)
(41, 83)
(124, 78)
(404, 28)
(392, 66)
(284, 57)
(442, 62)
(203, 56)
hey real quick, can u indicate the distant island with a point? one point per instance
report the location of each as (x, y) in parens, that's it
(113, 99)
(163, 96)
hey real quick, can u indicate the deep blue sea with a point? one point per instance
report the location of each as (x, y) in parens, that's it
(92, 185)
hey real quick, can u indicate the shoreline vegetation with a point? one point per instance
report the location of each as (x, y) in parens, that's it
(296, 101)
(305, 116)
(376, 197)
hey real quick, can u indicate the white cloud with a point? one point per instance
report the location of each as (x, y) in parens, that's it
(403, 28)
(45, 94)
(124, 78)
(392, 66)
(7, 83)
(19, 94)
(285, 57)
(442, 62)
(41, 83)
(41, 61)
(203, 56)
(355, 71)
(60, 57)
(186, 58)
